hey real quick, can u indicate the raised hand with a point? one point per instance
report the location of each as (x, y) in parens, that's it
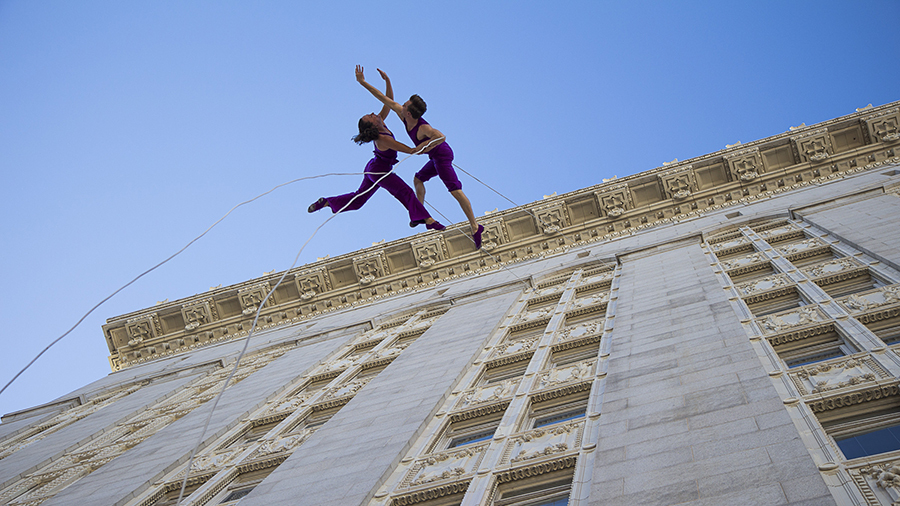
(383, 75)
(359, 74)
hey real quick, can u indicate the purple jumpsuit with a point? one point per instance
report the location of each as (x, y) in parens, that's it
(440, 161)
(380, 164)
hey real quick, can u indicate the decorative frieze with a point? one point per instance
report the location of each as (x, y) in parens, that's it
(544, 442)
(429, 251)
(369, 267)
(551, 217)
(571, 373)
(312, 282)
(833, 268)
(443, 466)
(836, 374)
(487, 393)
(884, 126)
(779, 322)
(763, 285)
(860, 302)
(252, 296)
(197, 314)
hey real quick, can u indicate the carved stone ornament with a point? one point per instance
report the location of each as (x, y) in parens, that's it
(218, 460)
(678, 183)
(570, 373)
(252, 296)
(864, 301)
(281, 444)
(349, 388)
(196, 315)
(551, 218)
(429, 251)
(590, 300)
(802, 316)
(882, 480)
(832, 267)
(800, 246)
(813, 146)
(596, 278)
(369, 267)
(141, 329)
(488, 393)
(544, 442)
(777, 231)
(493, 235)
(580, 330)
(517, 346)
(745, 165)
(614, 200)
(536, 315)
(762, 285)
(885, 126)
(446, 465)
(832, 375)
(734, 263)
(312, 283)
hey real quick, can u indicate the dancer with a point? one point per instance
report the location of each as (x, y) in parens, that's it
(372, 128)
(440, 156)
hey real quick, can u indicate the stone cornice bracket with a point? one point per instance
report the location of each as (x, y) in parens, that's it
(614, 200)
(813, 146)
(429, 250)
(551, 217)
(252, 296)
(142, 328)
(312, 282)
(678, 183)
(370, 267)
(745, 165)
(494, 233)
(884, 126)
(196, 314)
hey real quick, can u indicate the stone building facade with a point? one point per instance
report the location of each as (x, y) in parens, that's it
(723, 330)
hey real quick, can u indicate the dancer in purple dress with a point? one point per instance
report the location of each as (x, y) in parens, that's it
(440, 156)
(372, 128)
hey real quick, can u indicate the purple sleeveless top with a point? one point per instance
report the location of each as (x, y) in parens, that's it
(389, 155)
(442, 149)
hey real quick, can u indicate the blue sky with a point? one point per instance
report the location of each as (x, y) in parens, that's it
(127, 128)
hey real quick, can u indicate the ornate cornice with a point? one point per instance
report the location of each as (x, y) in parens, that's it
(603, 212)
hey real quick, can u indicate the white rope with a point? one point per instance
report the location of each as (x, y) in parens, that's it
(259, 309)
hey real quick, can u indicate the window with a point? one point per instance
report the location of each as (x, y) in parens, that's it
(546, 413)
(563, 358)
(500, 374)
(866, 434)
(543, 490)
(822, 344)
(762, 305)
(468, 432)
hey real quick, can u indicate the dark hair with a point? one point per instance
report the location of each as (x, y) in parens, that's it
(368, 132)
(416, 106)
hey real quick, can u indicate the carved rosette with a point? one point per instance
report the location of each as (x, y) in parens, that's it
(370, 267)
(884, 126)
(252, 296)
(859, 302)
(544, 442)
(312, 282)
(763, 285)
(678, 183)
(615, 200)
(494, 234)
(488, 393)
(447, 465)
(806, 315)
(571, 373)
(745, 165)
(837, 374)
(141, 329)
(813, 146)
(551, 217)
(196, 314)
(429, 251)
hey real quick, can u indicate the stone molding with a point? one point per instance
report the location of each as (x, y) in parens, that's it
(433, 257)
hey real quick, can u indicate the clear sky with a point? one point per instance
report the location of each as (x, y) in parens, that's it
(127, 128)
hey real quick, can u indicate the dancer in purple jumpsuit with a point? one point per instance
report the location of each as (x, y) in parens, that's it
(372, 128)
(440, 161)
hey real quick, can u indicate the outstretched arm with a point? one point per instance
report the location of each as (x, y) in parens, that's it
(388, 92)
(429, 132)
(388, 102)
